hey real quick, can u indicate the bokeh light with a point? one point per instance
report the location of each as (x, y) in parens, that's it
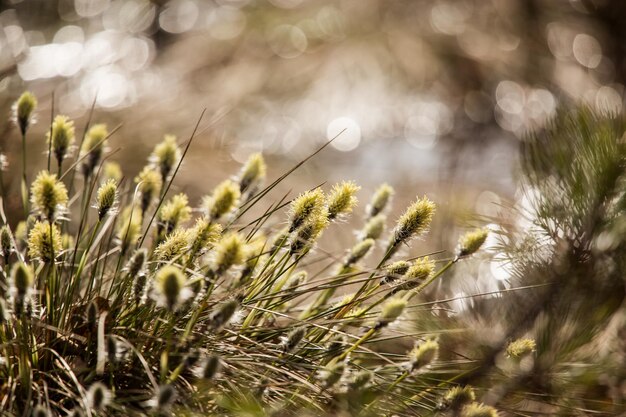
(346, 132)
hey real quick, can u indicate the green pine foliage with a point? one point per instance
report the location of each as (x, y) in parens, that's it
(561, 348)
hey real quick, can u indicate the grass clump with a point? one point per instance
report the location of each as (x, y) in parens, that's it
(136, 311)
(175, 306)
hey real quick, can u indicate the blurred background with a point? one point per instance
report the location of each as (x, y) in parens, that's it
(434, 96)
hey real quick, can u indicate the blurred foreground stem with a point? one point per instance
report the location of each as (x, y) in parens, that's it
(24, 186)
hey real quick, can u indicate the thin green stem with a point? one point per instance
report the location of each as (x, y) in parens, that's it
(51, 125)
(397, 381)
(371, 332)
(24, 185)
(83, 260)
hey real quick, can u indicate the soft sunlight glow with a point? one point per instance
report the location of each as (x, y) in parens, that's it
(349, 139)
